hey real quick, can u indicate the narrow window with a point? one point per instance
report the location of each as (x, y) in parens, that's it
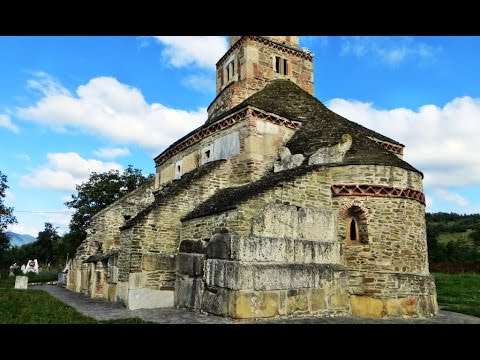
(207, 154)
(230, 70)
(281, 65)
(179, 168)
(353, 230)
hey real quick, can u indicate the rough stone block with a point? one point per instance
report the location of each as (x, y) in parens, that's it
(149, 299)
(193, 246)
(219, 247)
(21, 282)
(366, 306)
(256, 304)
(410, 306)
(297, 301)
(394, 307)
(216, 301)
(152, 262)
(317, 300)
(190, 264)
(339, 299)
(189, 292)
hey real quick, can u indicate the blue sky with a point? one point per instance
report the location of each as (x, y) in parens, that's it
(73, 105)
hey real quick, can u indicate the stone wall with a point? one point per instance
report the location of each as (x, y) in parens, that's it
(148, 248)
(103, 236)
(289, 244)
(254, 59)
(251, 143)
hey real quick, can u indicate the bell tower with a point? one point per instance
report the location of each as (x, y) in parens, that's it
(252, 62)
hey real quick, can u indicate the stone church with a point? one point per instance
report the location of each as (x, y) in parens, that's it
(275, 206)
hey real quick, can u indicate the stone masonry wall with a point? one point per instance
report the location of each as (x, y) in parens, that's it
(151, 244)
(385, 276)
(259, 142)
(254, 60)
(103, 235)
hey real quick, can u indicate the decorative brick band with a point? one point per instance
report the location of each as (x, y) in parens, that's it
(376, 191)
(223, 124)
(396, 149)
(276, 120)
(273, 44)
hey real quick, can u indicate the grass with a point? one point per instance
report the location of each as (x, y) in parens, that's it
(39, 307)
(459, 292)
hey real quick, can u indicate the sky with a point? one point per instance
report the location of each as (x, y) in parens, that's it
(70, 106)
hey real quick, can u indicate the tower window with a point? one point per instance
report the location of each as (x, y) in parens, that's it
(281, 65)
(230, 70)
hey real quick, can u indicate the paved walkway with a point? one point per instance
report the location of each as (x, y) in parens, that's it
(104, 310)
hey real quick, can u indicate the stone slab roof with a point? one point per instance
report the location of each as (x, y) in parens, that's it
(171, 189)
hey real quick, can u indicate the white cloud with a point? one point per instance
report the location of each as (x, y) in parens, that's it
(451, 197)
(201, 82)
(200, 51)
(441, 142)
(65, 170)
(7, 123)
(119, 112)
(34, 222)
(386, 49)
(46, 84)
(111, 153)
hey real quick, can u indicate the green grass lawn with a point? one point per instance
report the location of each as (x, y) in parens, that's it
(39, 307)
(459, 292)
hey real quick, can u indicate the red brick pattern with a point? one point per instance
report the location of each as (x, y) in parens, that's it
(396, 149)
(268, 42)
(376, 191)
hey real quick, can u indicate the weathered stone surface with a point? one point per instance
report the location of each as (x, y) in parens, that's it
(263, 249)
(332, 154)
(297, 301)
(287, 160)
(193, 246)
(189, 292)
(366, 306)
(21, 282)
(219, 247)
(149, 299)
(280, 220)
(317, 300)
(190, 264)
(256, 304)
(153, 262)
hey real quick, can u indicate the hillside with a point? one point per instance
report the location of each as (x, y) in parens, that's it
(453, 237)
(20, 239)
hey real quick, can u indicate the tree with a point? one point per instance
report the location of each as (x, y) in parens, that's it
(96, 194)
(47, 241)
(6, 215)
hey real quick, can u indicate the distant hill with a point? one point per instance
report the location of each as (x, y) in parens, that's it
(19, 239)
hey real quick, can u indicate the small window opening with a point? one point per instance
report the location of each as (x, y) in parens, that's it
(179, 168)
(207, 154)
(230, 70)
(353, 230)
(281, 65)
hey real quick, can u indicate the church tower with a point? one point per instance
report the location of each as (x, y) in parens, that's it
(252, 62)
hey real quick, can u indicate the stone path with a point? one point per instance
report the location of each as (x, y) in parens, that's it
(104, 310)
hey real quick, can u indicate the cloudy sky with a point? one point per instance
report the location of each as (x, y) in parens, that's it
(73, 105)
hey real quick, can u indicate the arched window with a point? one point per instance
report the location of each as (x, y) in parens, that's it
(355, 219)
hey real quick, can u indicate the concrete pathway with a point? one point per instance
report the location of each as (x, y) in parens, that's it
(104, 310)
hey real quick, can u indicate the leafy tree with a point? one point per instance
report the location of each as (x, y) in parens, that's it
(96, 194)
(6, 215)
(475, 237)
(47, 241)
